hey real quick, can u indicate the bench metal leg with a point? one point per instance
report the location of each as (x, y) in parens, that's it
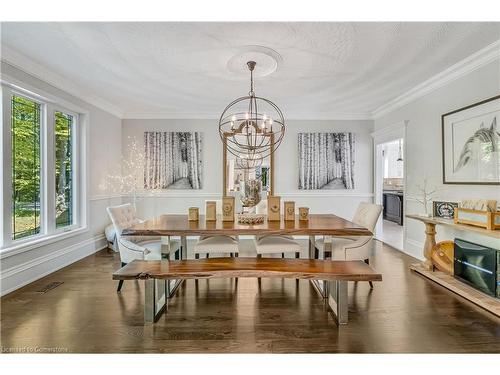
(155, 299)
(337, 300)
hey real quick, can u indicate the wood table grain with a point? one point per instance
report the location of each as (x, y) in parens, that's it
(249, 267)
(178, 225)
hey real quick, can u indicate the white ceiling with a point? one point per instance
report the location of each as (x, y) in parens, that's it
(182, 70)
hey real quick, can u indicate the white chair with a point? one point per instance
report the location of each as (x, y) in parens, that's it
(266, 245)
(356, 247)
(137, 247)
(211, 245)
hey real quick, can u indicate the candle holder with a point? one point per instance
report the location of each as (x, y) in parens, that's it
(304, 213)
(193, 214)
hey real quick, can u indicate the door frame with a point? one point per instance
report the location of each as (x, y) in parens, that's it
(389, 133)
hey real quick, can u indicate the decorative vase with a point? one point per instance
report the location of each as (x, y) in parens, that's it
(250, 193)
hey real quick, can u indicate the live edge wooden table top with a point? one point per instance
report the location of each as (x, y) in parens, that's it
(178, 225)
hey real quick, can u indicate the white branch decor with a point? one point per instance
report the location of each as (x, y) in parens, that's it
(326, 161)
(426, 195)
(172, 160)
(129, 180)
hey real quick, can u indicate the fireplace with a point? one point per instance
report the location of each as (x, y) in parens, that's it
(478, 266)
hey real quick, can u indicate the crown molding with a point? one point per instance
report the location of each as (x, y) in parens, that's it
(28, 66)
(471, 63)
(393, 130)
(214, 116)
(475, 61)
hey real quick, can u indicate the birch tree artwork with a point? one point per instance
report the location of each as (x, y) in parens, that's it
(172, 160)
(326, 161)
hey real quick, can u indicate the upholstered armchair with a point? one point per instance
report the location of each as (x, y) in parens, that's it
(137, 247)
(352, 248)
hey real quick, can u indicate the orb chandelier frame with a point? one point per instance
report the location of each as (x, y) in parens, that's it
(255, 132)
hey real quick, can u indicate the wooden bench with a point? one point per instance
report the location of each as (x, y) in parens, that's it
(335, 273)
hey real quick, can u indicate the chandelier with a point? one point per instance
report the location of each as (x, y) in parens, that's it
(251, 127)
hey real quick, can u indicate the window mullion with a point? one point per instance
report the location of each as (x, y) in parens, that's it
(48, 172)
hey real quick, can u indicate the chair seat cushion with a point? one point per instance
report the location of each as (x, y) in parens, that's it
(157, 248)
(216, 244)
(276, 244)
(337, 243)
(346, 248)
(110, 233)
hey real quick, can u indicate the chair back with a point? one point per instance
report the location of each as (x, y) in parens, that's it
(122, 217)
(367, 215)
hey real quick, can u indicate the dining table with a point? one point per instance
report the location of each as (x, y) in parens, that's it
(178, 225)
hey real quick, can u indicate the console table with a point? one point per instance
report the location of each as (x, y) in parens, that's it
(427, 268)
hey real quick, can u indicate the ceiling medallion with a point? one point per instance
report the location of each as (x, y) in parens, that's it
(252, 127)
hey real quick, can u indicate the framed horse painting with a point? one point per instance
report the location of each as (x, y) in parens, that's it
(471, 144)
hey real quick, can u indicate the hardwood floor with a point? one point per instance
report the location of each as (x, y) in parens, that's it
(404, 313)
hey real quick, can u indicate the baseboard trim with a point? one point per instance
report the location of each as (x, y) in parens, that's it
(416, 248)
(18, 276)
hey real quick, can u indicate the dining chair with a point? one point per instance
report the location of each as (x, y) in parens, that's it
(274, 244)
(211, 245)
(352, 248)
(137, 247)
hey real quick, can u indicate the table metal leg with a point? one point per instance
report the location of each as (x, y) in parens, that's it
(312, 247)
(338, 301)
(184, 253)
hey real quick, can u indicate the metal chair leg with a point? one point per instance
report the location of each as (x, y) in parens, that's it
(367, 261)
(196, 256)
(120, 283)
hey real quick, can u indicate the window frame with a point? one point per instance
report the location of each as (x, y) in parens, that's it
(74, 167)
(49, 104)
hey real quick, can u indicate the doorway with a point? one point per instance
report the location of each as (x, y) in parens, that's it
(389, 181)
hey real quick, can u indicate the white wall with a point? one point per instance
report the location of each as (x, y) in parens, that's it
(104, 146)
(340, 202)
(423, 142)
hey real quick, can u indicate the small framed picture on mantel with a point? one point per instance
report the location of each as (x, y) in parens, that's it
(471, 144)
(444, 210)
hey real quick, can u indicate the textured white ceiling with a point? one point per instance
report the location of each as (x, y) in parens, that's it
(180, 70)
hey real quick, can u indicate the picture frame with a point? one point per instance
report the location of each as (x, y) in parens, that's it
(471, 144)
(444, 209)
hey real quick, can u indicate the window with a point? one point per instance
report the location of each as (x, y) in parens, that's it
(25, 131)
(39, 187)
(64, 169)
